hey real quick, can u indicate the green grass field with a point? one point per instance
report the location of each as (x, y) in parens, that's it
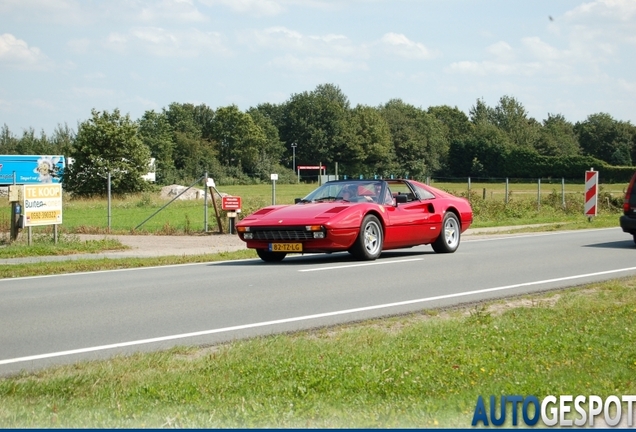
(186, 217)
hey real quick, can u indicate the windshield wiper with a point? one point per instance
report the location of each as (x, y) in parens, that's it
(327, 198)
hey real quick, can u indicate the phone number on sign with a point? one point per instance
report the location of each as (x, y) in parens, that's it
(43, 215)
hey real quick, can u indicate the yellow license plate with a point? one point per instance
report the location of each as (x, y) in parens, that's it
(286, 247)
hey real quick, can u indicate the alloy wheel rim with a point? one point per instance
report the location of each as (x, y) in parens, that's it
(372, 238)
(451, 232)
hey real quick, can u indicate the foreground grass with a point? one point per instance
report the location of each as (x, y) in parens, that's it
(66, 245)
(423, 370)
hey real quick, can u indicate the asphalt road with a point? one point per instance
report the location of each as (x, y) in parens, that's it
(61, 319)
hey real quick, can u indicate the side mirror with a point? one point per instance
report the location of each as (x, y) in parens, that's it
(297, 200)
(401, 199)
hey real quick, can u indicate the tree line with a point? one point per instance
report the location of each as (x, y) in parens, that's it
(395, 138)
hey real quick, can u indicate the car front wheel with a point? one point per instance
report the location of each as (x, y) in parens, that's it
(268, 256)
(448, 240)
(368, 245)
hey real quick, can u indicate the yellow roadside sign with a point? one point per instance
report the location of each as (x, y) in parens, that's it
(42, 204)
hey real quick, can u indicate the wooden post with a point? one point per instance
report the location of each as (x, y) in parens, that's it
(216, 211)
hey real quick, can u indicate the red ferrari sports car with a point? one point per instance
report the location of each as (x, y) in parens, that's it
(363, 217)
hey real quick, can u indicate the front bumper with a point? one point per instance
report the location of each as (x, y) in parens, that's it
(334, 241)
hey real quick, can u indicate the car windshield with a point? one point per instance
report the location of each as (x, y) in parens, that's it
(357, 191)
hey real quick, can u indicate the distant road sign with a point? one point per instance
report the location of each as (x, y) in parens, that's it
(311, 167)
(231, 203)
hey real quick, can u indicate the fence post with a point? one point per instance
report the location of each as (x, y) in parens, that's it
(539, 194)
(205, 203)
(563, 192)
(506, 190)
(110, 215)
(468, 187)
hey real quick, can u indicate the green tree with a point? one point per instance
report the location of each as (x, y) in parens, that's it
(272, 149)
(63, 139)
(419, 143)
(557, 137)
(317, 121)
(8, 141)
(195, 150)
(605, 138)
(30, 144)
(481, 113)
(157, 134)
(369, 149)
(108, 142)
(241, 142)
(482, 154)
(456, 123)
(512, 118)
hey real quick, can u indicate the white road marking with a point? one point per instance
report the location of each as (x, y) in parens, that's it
(512, 235)
(360, 265)
(303, 318)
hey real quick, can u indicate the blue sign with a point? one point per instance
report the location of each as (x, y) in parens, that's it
(30, 169)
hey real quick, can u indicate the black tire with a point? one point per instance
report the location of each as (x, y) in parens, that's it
(268, 256)
(634, 238)
(368, 245)
(449, 238)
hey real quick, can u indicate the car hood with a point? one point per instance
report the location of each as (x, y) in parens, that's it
(295, 214)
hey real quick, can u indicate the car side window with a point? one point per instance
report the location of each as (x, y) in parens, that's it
(401, 188)
(423, 193)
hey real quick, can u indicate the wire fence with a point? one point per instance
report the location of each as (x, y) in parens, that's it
(148, 212)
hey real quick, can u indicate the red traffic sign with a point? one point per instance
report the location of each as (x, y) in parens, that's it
(231, 203)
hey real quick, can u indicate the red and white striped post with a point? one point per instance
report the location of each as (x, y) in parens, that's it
(591, 193)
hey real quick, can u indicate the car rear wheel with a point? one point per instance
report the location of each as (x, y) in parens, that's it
(268, 256)
(368, 245)
(448, 240)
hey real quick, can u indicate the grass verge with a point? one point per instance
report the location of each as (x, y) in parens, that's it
(85, 265)
(67, 244)
(421, 370)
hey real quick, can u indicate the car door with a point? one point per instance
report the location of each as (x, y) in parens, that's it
(411, 222)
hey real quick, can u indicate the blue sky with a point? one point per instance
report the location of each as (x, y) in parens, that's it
(61, 58)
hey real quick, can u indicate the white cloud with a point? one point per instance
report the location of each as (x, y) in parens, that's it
(173, 10)
(597, 30)
(16, 53)
(79, 46)
(276, 7)
(252, 7)
(542, 50)
(483, 68)
(54, 11)
(93, 92)
(316, 63)
(160, 42)
(502, 51)
(284, 39)
(400, 45)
